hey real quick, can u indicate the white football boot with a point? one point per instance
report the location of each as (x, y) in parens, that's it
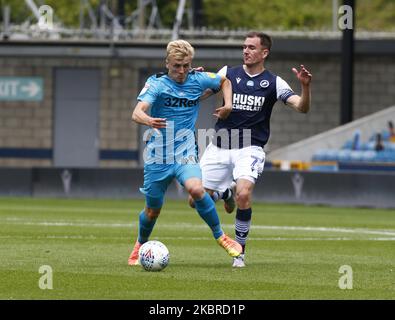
(238, 262)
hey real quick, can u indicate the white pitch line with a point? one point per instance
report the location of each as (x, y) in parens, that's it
(325, 229)
(287, 239)
(71, 224)
(71, 209)
(92, 223)
(64, 209)
(324, 239)
(89, 223)
(91, 237)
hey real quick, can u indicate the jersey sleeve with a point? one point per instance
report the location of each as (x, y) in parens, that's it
(149, 93)
(210, 80)
(283, 89)
(223, 71)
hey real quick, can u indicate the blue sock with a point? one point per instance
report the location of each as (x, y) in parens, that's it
(145, 227)
(206, 209)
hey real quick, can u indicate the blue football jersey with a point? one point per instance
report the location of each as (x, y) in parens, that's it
(253, 100)
(179, 104)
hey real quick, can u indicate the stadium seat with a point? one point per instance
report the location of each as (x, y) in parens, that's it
(347, 145)
(344, 155)
(354, 151)
(331, 155)
(372, 138)
(389, 145)
(368, 155)
(323, 166)
(370, 145)
(354, 156)
(385, 135)
(319, 155)
(385, 156)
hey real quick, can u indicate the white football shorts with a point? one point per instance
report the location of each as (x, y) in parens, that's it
(221, 166)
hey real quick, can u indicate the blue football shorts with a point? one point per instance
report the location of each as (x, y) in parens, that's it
(157, 178)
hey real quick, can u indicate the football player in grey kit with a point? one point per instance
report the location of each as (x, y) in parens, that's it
(238, 155)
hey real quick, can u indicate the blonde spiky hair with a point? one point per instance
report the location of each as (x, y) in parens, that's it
(179, 49)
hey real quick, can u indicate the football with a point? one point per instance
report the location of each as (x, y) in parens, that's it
(153, 256)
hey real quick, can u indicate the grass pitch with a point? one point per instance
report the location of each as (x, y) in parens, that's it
(294, 252)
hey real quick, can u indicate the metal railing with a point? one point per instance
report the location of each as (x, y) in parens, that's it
(107, 27)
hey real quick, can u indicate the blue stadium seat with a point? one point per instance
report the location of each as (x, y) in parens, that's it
(331, 155)
(343, 155)
(370, 145)
(324, 167)
(389, 145)
(365, 152)
(385, 156)
(368, 155)
(319, 155)
(356, 155)
(390, 155)
(325, 155)
(365, 146)
(347, 145)
(372, 138)
(385, 135)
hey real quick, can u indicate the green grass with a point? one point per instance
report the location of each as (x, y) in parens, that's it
(294, 252)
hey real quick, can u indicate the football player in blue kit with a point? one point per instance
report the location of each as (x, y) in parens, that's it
(171, 148)
(236, 151)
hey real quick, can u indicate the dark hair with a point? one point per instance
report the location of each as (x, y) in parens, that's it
(266, 40)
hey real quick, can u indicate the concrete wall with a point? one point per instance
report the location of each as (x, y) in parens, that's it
(370, 189)
(28, 126)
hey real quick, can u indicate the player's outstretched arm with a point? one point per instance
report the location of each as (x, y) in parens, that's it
(224, 111)
(140, 116)
(302, 103)
(206, 94)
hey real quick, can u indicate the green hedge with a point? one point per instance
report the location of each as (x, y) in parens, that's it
(371, 15)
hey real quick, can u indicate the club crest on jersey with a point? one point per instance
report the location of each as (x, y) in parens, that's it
(250, 83)
(211, 75)
(264, 83)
